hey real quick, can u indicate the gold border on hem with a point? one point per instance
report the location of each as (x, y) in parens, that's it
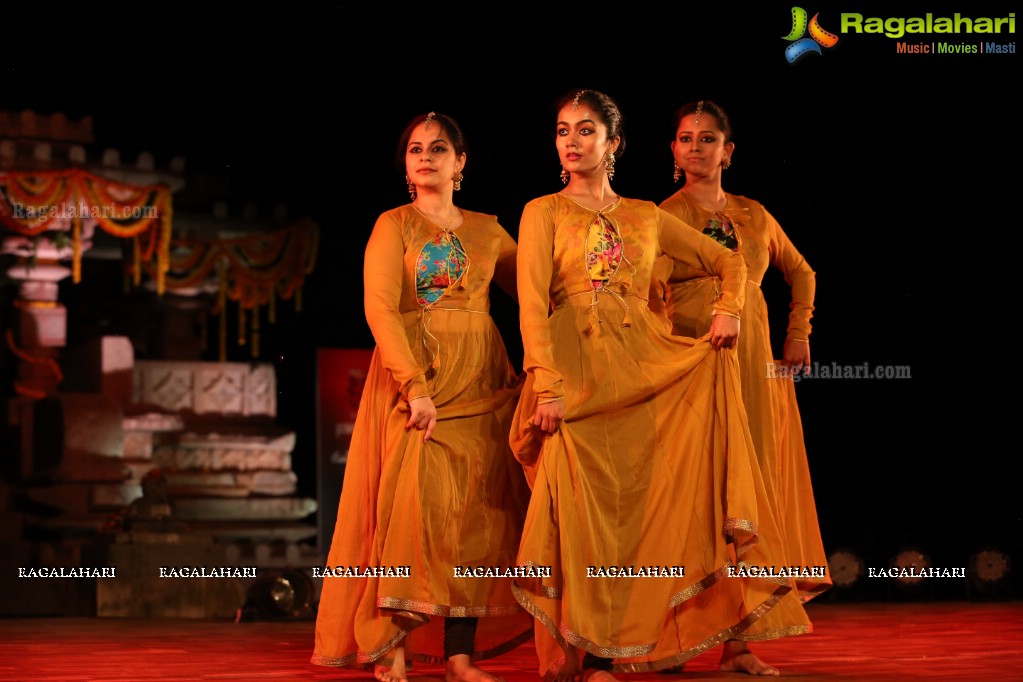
(564, 635)
(548, 592)
(330, 662)
(790, 631)
(818, 590)
(731, 633)
(365, 661)
(422, 607)
(379, 652)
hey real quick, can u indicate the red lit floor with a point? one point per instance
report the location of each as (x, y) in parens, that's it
(863, 641)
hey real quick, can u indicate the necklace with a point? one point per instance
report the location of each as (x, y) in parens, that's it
(446, 225)
(608, 207)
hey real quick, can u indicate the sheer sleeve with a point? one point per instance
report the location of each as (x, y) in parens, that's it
(382, 275)
(535, 268)
(505, 268)
(686, 245)
(800, 277)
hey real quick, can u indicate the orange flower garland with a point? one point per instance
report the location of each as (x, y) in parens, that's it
(32, 202)
(255, 270)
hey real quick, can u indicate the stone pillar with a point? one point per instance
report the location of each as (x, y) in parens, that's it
(41, 321)
(41, 327)
(37, 333)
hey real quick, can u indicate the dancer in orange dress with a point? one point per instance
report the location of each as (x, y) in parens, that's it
(703, 148)
(432, 493)
(646, 496)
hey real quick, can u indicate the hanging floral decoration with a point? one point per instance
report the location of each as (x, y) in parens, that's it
(32, 202)
(255, 270)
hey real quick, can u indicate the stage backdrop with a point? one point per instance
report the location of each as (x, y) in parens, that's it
(341, 375)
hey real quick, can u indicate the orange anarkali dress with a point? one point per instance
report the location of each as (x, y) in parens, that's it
(653, 465)
(768, 394)
(457, 501)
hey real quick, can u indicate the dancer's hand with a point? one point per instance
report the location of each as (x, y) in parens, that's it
(796, 355)
(549, 415)
(724, 331)
(423, 417)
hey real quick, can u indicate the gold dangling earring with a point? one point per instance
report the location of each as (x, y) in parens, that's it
(458, 180)
(726, 163)
(411, 188)
(609, 165)
(564, 176)
(678, 173)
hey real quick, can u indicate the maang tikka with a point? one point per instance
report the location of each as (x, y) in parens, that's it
(699, 111)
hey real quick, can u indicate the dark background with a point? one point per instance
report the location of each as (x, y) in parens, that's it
(895, 175)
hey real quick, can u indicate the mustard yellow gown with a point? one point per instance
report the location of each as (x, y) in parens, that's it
(653, 465)
(769, 397)
(455, 501)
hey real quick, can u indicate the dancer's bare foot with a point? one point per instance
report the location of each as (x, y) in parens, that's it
(397, 672)
(737, 658)
(594, 675)
(569, 670)
(461, 669)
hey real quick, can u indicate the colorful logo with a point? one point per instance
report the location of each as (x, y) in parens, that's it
(801, 46)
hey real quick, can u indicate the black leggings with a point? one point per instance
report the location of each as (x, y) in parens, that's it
(591, 662)
(459, 636)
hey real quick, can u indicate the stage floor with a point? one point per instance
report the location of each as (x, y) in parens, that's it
(864, 641)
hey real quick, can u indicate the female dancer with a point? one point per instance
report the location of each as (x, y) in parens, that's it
(431, 490)
(703, 148)
(645, 485)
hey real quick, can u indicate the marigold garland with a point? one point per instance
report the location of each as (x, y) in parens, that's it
(32, 202)
(252, 271)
